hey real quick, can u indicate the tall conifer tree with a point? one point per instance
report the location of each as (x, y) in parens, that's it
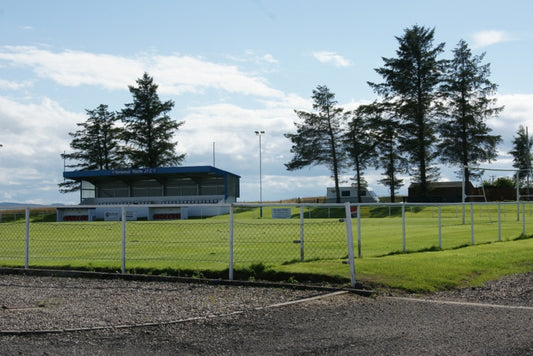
(389, 156)
(410, 83)
(95, 146)
(318, 137)
(522, 153)
(360, 143)
(149, 131)
(468, 95)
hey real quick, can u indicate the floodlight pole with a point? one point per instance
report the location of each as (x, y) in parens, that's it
(259, 134)
(214, 154)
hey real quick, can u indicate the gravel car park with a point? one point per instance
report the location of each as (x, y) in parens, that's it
(50, 315)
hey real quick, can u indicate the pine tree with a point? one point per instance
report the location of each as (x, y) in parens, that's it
(389, 157)
(359, 143)
(521, 152)
(468, 95)
(148, 128)
(410, 83)
(318, 138)
(96, 145)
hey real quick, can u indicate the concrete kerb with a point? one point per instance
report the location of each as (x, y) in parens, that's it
(156, 278)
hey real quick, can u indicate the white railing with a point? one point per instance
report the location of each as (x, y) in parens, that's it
(287, 233)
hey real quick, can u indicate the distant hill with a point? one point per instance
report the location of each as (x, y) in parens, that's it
(5, 204)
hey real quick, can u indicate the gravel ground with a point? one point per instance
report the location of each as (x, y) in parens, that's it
(43, 315)
(41, 303)
(512, 290)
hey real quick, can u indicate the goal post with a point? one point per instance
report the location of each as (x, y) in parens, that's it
(465, 196)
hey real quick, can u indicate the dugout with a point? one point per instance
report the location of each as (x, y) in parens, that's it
(75, 214)
(163, 186)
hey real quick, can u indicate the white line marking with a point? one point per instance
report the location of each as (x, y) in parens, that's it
(484, 305)
(171, 322)
(303, 300)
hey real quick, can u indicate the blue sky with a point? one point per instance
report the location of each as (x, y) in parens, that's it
(231, 67)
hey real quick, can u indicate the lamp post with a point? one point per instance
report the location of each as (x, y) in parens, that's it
(259, 134)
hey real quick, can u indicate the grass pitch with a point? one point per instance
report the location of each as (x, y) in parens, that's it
(271, 248)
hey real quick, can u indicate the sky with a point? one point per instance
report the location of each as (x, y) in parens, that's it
(231, 68)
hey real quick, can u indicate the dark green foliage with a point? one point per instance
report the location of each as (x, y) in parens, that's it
(410, 85)
(148, 128)
(317, 139)
(501, 182)
(144, 141)
(96, 145)
(522, 158)
(360, 143)
(389, 157)
(468, 94)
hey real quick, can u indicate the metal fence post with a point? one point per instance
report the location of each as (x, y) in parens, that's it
(349, 237)
(403, 227)
(440, 227)
(359, 231)
(123, 219)
(27, 239)
(499, 222)
(302, 234)
(523, 219)
(472, 223)
(230, 277)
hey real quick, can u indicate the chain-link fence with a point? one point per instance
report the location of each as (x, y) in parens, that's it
(241, 235)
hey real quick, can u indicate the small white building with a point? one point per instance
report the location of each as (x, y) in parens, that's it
(349, 194)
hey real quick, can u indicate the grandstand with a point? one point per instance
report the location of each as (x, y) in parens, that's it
(171, 188)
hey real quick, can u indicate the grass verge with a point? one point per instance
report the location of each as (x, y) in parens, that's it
(430, 271)
(419, 272)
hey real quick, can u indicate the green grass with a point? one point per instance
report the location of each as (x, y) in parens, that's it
(431, 271)
(267, 248)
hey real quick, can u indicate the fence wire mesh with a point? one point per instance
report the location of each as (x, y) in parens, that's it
(178, 244)
(273, 234)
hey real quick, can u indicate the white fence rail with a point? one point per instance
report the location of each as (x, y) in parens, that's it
(236, 237)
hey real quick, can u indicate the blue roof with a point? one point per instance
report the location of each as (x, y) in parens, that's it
(161, 171)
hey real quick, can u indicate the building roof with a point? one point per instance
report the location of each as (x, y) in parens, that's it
(147, 173)
(435, 185)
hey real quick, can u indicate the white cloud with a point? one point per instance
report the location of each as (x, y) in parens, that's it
(269, 59)
(33, 136)
(518, 111)
(178, 74)
(487, 38)
(34, 133)
(251, 56)
(232, 128)
(331, 57)
(74, 68)
(12, 85)
(175, 74)
(517, 106)
(35, 129)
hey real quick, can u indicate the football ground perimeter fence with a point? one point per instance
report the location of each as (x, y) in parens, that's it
(245, 235)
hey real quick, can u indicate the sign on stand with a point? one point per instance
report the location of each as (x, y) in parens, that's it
(281, 213)
(353, 211)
